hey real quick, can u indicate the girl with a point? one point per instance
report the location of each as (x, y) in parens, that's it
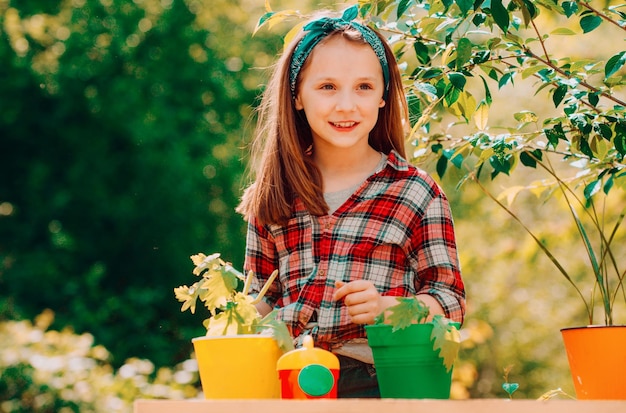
(335, 207)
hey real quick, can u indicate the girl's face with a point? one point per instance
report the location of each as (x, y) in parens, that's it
(340, 91)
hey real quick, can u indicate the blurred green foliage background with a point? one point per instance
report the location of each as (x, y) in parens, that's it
(123, 131)
(123, 128)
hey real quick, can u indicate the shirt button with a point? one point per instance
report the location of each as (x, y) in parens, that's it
(321, 273)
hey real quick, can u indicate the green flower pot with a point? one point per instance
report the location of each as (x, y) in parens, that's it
(406, 364)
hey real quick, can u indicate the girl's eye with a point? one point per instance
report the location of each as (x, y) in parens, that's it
(327, 87)
(365, 86)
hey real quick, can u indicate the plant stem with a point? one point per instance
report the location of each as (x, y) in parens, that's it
(537, 241)
(599, 267)
(266, 287)
(600, 14)
(247, 282)
(620, 282)
(581, 82)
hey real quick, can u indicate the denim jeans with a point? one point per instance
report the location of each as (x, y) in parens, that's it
(356, 379)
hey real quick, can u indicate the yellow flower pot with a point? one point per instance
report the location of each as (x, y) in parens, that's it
(238, 367)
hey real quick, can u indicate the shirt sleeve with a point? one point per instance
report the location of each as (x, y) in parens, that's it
(437, 264)
(262, 259)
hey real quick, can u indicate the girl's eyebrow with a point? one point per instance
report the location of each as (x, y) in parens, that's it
(331, 78)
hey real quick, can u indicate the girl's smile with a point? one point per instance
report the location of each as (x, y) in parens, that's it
(344, 125)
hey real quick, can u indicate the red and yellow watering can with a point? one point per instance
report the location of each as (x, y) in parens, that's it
(308, 372)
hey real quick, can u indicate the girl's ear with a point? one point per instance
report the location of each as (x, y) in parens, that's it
(298, 103)
(382, 103)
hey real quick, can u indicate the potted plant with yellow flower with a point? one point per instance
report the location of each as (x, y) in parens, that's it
(240, 346)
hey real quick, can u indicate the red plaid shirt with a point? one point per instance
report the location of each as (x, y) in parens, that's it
(396, 231)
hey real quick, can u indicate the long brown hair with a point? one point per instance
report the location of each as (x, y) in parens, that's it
(280, 166)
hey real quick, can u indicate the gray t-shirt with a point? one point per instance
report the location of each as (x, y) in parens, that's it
(336, 199)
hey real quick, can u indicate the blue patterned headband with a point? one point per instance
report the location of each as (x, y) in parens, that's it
(319, 29)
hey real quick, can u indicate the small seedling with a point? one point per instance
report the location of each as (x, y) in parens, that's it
(509, 388)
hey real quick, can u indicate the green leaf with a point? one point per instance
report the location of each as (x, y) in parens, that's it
(563, 31)
(614, 64)
(409, 310)
(500, 164)
(455, 158)
(493, 74)
(350, 13)
(506, 78)
(603, 130)
(584, 147)
(364, 9)
(620, 137)
(465, 106)
(529, 11)
(529, 158)
(531, 70)
(458, 80)
(271, 19)
(608, 184)
(426, 88)
(464, 6)
(447, 4)
(488, 98)
(421, 51)
(510, 388)
(569, 8)
(479, 19)
(592, 189)
(590, 22)
(402, 7)
(500, 15)
(546, 75)
(442, 166)
(451, 94)
(463, 52)
(558, 94)
(555, 134)
(590, 253)
(446, 339)
(263, 19)
(525, 116)
(278, 330)
(431, 73)
(581, 122)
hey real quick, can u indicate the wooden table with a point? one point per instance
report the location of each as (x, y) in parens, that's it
(378, 406)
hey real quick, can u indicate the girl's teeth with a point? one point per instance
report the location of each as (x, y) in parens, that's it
(344, 124)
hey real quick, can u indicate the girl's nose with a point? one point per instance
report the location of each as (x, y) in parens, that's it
(346, 101)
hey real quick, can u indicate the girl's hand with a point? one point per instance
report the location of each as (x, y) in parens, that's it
(363, 300)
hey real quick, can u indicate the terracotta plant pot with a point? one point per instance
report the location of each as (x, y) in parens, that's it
(238, 367)
(597, 360)
(407, 367)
